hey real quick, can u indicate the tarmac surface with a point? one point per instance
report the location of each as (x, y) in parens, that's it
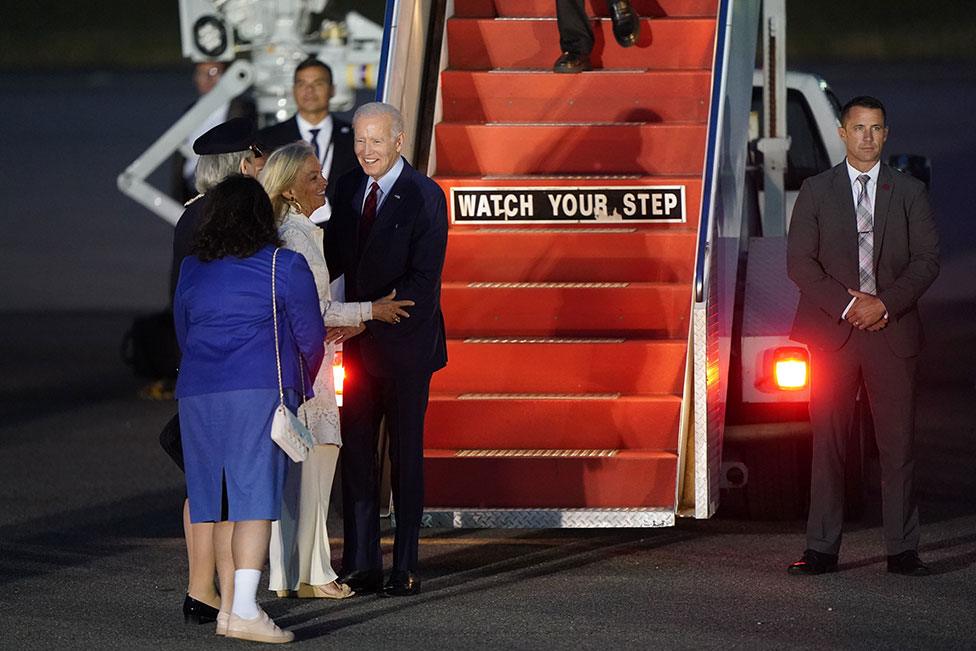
(91, 551)
(91, 548)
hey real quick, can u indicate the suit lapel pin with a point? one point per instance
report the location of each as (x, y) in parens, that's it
(885, 187)
(396, 196)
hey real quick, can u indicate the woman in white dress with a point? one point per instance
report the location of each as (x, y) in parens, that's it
(300, 557)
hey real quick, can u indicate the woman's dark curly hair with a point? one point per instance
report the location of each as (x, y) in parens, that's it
(237, 221)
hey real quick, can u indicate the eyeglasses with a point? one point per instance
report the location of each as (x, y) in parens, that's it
(256, 151)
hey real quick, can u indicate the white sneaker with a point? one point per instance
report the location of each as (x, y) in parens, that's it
(259, 629)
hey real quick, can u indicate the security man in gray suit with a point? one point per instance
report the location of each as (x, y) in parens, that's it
(862, 248)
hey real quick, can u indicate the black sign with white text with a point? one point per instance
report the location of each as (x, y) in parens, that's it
(648, 203)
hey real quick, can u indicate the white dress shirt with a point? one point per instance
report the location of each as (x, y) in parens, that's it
(323, 138)
(386, 184)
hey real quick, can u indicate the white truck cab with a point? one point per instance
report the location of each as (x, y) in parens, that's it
(812, 118)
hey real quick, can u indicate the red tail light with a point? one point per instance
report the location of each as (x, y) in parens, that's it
(338, 376)
(791, 369)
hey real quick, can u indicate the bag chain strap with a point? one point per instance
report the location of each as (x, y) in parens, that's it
(274, 312)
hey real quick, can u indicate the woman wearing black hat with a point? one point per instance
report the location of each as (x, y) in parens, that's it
(228, 148)
(229, 385)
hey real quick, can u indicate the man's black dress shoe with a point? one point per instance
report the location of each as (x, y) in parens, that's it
(197, 612)
(908, 563)
(364, 581)
(814, 562)
(572, 62)
(626, 22)
(401, 583)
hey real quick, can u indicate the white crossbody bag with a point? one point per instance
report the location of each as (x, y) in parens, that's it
(287, 430)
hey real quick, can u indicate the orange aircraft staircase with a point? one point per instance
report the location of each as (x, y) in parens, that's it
(562, 399)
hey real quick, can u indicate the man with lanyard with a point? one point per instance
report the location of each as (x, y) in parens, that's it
(329, 136)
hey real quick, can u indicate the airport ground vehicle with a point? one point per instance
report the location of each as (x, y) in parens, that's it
(261, 41)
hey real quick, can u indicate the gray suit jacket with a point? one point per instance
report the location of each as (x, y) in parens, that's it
(822, 257)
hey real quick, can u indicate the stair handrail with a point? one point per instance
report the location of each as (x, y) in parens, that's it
(383, 79)
(413, 30)
(719, 244)
(715, 115)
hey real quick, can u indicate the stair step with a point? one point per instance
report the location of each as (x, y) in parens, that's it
(562, 365)
(533, 8)
(648, 310)
(548, 255)
(536, 454)
(552, 421)
(630, 478)
(668, 43)
(540, 95)
(645, 149)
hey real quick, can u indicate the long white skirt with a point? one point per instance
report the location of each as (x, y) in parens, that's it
(299, 551)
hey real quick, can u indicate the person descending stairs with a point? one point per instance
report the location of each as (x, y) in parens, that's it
(576, 37)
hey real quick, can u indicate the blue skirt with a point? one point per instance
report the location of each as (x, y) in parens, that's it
(234, 471)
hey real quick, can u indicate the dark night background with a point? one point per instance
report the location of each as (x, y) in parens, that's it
(91, 550)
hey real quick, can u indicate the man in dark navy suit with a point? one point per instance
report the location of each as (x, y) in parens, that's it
(388, 233)
(329, 136)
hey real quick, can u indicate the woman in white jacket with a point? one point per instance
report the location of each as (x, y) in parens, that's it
(300, 557)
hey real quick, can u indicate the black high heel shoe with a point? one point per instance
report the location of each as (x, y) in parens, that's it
(197, 612)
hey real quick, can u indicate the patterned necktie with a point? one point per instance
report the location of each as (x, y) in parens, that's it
(314, 139)
(865, 238)
(369, 215)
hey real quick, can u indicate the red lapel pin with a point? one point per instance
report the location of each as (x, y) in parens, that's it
(885, 187)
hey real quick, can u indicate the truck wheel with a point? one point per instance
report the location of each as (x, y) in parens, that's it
(766, 469)
(777, 464)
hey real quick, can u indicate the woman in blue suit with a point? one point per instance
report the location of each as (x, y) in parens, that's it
(228, 385)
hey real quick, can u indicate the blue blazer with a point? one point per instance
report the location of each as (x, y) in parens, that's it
(224, 324)
(405, 251)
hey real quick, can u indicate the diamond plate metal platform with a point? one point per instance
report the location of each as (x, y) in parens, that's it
(547, 518)
(539, 396)
(543, 340)
(572, 231)
(537, 454)
(550, 285)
